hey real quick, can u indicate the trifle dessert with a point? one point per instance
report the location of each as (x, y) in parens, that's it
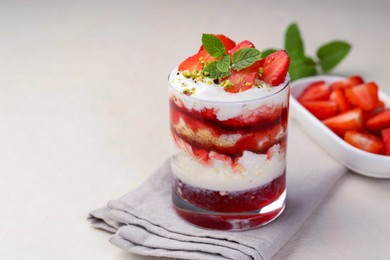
(228, 119)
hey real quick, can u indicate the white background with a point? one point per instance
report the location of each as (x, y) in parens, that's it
(84, 113)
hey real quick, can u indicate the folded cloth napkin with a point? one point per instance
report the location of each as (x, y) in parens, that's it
(145, 223)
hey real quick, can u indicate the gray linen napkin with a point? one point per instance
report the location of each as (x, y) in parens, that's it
(145, 223)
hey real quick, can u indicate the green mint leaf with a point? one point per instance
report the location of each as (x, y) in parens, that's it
(223, 64)
(213, 45)
(309, 61)
(330, 54)
(293, 42)
(300, 68)
(245, 57)
(267, 52)
(213, 72)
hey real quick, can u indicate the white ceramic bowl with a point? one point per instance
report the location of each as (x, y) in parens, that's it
(357, 160)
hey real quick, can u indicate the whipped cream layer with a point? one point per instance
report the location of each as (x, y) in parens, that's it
(255, 170)
(226, 105)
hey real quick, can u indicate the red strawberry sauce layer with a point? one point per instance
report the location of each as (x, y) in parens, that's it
(229, 222)
(261, 118)
(236, 201)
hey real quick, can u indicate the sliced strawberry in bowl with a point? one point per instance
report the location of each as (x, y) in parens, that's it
(379, 122)
(321, 109)
(338, 96)
(364, 141)
(327, 132)
(275, 68)
(386, 140)
(347, 83)
(379, 109)
(355, 80)
(318, 90)
(364, 96)
(242, 79)
(381, 104)
(351, 120)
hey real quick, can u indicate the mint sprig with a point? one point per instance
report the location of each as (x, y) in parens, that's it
(245, 57)
(300, 65)
(332, 53)
(211, 71)
(329, 55)
(224, 63)
(294, 43)
(213, 45)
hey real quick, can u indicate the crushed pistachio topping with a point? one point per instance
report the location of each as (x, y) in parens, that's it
(186, 73)
(226, 83)
(195, 75)
(203, 62)
(188, 91)
(258, 85)
(261, 84)
(200, 76)
(260, 71)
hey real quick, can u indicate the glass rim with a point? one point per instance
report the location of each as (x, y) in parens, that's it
(287, 83)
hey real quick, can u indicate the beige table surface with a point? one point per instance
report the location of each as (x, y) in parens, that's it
(83, 113)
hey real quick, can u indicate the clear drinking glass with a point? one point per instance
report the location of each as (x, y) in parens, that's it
(229, 159)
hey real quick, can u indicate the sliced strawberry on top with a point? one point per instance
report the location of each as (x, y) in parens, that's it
(350, 120)
(275, 68)
(337, 95)
(242, 79)
(205, 56)
(367, 142)
(379, 122)
(364, 96)
(318, 90)
(226, 41)
(347, 83)
(191, 63)
(321, 109)
(197, 61)
(386, 140)
(241, 45)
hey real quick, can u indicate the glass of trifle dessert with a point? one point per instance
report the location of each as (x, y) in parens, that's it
(228, 120)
